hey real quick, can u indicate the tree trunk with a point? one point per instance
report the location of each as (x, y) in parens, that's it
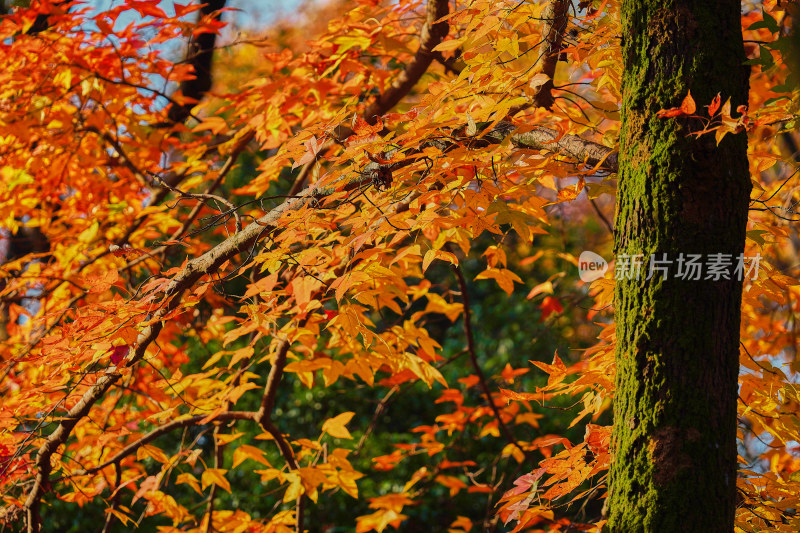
(674, 443)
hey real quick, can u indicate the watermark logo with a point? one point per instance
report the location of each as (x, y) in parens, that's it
(689, 267)
(591, 266)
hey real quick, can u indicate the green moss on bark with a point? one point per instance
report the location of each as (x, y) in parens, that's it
(674, 438)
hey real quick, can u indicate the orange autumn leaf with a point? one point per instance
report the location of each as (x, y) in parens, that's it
(556, 371)
(335, 427)
(687, 107)
(714, 105)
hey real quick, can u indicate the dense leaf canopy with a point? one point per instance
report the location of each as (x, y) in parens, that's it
(329, 280)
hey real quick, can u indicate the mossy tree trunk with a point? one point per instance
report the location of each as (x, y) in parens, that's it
(677, 356)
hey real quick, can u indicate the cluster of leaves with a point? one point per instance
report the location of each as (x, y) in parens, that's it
(194, 330)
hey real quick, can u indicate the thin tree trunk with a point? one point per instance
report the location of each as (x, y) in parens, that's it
(674, 443)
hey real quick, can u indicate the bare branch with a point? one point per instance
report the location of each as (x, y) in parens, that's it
(476, 366)
(264, 417)
(572, 146)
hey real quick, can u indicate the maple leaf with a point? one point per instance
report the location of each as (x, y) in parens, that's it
(687, 107)
(714, 105)
(557, 370)
(119, 353)
(215, 476)
(379, 521)
(85, 151)
(147, 8)
(549, 306)
(504, 278)
(102, 281)
(509, 374)
(335, 427)
(313, 148)
(570, 192)
(213, 123)
(519, 396)
(364, 132)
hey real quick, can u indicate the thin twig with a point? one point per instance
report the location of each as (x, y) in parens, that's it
(473, 356)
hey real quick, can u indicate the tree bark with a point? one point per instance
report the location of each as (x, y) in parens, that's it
(199, 55)
(674, 440)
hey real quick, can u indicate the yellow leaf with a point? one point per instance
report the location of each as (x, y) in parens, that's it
(190, 480)
(122, 517)
(268, 475)
(88, 235)
(335, 426)
(379, 520)
(451, 482)
(215, 124)
(227, 438)
(238, 355)
(245, 452)
(419, 474)
(215, 476)
(295, 489)
(152, 452)
(437, 304)
(462, 524)
(342, 284)
(569, 193)
(432, 254)
(504, 277)
(448, 45)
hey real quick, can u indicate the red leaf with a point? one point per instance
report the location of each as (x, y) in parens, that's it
(362, 127)
(364, 132)
(147, 8)
(712, 109)
(549, 306)
(118, 353)
(671, 112)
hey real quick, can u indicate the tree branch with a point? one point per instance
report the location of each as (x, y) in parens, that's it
(555, 22)
(538, 138)
(264, 417)
(572, 146)
(158, 432)
(473, 356)
(431, 35)
(51, 444)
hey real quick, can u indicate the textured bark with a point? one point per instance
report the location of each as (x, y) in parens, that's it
(674, 440)
(199, 56)
(555, 18)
